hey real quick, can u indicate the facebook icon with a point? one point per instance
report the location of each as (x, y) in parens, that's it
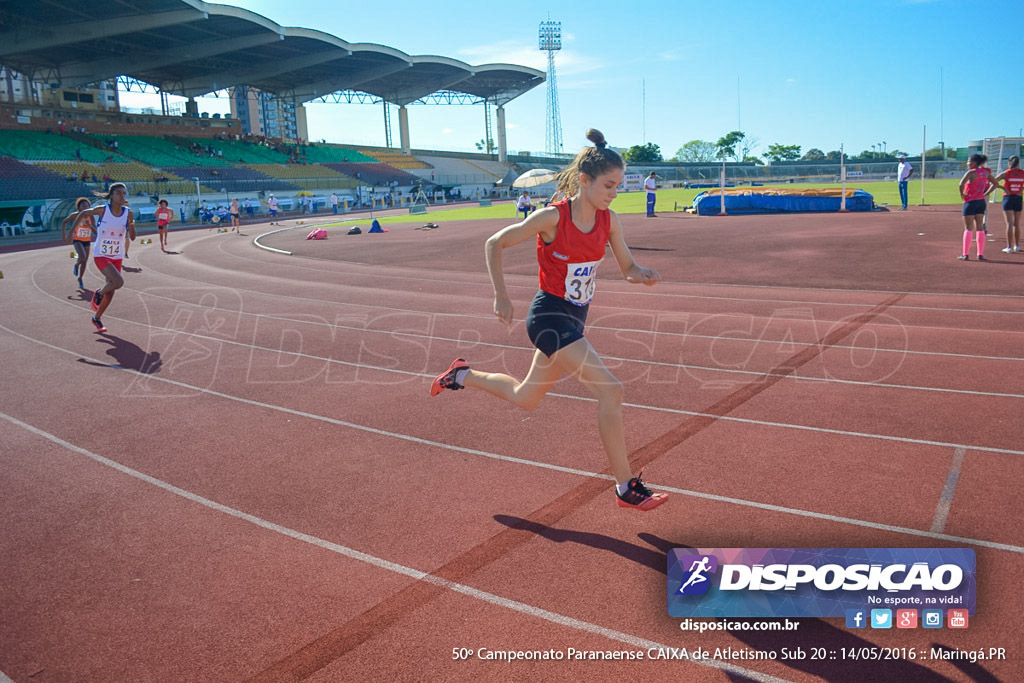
(856, 618)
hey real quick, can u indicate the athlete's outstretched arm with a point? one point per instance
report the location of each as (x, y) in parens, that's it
(627, 266)
(543, 223)
(64, 233)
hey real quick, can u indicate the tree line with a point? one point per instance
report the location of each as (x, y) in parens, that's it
(737, 146)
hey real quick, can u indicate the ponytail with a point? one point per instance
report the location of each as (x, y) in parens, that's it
(110, 191)
(592, 161)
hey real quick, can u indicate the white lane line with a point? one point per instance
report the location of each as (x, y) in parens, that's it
(4, 679)
(256, 241)
(606, 287)
(558, 468)
(525, 349)
(380, 563)
(949, 490)
(640, 406)
(378, 307)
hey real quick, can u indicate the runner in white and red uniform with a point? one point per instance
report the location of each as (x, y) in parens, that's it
(975, 186)
(1013, 187)
(572, 236)
(114, 225)
(164, 216)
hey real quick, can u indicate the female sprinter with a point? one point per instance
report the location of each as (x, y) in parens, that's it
(81, 237)
(571, 236)
(1013, 187)
(236, 215)
(164, 216)
(975, 187)
(114, 223)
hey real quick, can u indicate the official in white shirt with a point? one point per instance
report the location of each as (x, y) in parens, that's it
(903, 173)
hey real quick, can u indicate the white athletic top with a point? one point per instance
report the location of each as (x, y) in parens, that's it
(649, 184)
(272, 204)
(110, 233)
(903, 171)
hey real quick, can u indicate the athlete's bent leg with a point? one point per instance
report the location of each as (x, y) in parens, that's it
(543, 374)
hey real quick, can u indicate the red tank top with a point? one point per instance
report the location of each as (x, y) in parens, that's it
(1013, 181)
(976, 188)
(568, 266)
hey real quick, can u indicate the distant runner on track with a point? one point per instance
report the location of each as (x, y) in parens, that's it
(164, 216)
(571, 237)
(81, 237)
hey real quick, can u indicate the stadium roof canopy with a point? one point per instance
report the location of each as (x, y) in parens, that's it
(191, 47)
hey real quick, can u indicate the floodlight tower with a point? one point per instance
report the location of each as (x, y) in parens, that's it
(551, 42)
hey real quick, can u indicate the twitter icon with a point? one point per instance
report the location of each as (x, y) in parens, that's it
(881, 618)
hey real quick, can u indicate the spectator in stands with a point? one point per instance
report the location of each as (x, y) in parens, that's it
(903, 173)
(61, 127)
(525, 204)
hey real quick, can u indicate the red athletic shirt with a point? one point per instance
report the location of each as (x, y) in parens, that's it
(1013, 181)
(568, 266)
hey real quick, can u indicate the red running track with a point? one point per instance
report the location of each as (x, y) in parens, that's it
(245, 479)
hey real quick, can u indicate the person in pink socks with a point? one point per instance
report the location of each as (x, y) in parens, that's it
(975, 187)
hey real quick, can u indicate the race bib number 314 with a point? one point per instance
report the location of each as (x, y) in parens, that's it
(580, 281)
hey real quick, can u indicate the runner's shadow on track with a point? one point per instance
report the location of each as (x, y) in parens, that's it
(129, 269)
(80, 295)
(171, 253)
(128, 356)
(637, 553)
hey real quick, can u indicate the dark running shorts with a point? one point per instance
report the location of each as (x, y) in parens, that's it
(974, 208)
(554, 323)
(1012, 202)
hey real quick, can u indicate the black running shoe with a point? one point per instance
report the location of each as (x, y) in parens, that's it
(97, 299)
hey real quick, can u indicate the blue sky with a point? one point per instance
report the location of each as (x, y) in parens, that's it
(816, 74)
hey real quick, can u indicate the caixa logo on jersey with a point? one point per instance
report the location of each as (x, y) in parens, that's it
(817, 582)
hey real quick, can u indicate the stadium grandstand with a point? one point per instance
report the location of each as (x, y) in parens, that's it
(63, 133)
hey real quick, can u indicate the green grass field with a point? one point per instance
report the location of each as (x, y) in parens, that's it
(937, 191)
